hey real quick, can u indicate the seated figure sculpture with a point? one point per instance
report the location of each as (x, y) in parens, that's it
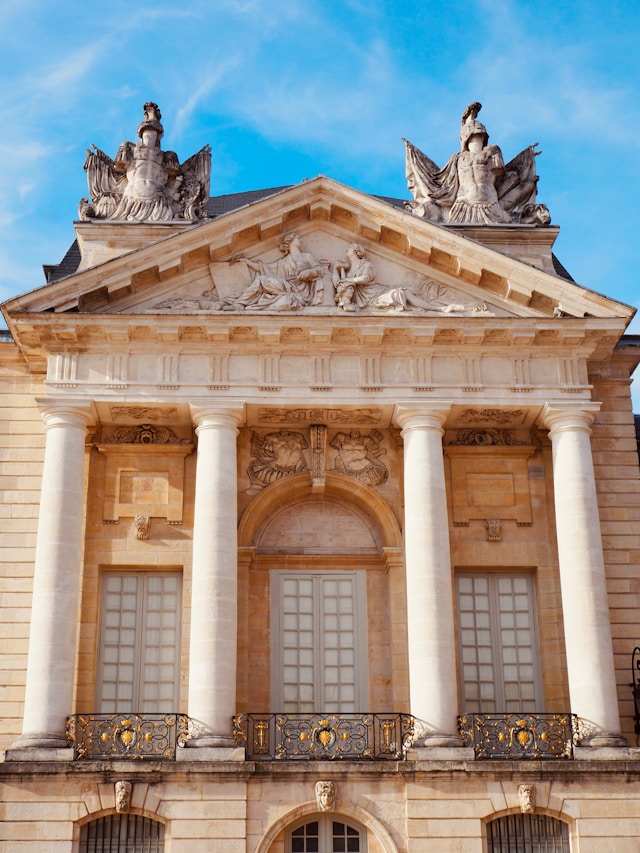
(355, 285)
(145, 183)
(475, 187)
(293, 281)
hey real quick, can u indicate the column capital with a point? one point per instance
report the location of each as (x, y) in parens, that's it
(572, 416)
(424, 415)
(221, 414)
(74, 413)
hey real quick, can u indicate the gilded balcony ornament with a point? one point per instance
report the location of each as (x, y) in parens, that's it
(136, 736)
(520, 736)
(324, 736)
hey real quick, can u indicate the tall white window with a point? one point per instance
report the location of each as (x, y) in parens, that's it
(498, 647)
(319, 646)
(139, 657)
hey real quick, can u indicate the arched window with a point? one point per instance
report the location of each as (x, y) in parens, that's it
(326, 834)
(122, 833)
(527, 833)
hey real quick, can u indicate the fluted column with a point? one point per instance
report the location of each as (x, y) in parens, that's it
(592, 684)
(214, 596)
(57, 577)
(430, 623)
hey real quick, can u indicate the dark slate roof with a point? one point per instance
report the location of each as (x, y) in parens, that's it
(233, 201)
(560, 269)
(218, 206)
(67, 266)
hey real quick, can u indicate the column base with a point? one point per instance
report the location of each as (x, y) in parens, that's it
(35, 753)
(606, 753)
(430, 740)
(604, 739)
(45, 740)
(211, 753)
(209, 741)
(440, 753)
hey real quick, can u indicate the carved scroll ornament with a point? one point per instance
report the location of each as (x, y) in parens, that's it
(146, 434)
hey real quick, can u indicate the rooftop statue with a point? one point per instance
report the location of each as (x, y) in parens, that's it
(475, 187)
(144, 183)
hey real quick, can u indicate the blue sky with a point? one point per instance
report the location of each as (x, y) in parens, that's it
(288, 89)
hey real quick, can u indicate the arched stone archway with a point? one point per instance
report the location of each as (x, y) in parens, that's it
(339, 489)
(379, 837)
(347, 527)
(137, 831)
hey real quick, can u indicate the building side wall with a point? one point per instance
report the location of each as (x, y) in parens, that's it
(523, 546)
(22, 442)
(409, 812)
(615, 457)
(115, 547)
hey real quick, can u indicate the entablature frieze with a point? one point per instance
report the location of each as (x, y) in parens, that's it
(293, 362)
(507, 423)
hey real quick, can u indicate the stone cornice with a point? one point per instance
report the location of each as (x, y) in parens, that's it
(41, 335)
(325, 204)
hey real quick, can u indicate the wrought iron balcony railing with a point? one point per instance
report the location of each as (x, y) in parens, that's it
(266, 737)
(519, 736)
(128, 736)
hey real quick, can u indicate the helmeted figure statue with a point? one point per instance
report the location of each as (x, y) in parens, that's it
(145, 183)
(475, 187)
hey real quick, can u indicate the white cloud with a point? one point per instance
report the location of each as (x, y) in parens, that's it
(208, 82)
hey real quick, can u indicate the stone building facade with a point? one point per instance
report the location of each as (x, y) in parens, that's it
(320, 526)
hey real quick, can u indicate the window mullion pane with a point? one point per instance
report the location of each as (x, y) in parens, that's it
(497, 637)
(496, 645)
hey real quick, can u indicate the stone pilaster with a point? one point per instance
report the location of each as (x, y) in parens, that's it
(214, 603)
(430, 622)
(592, 685)
(57, 576)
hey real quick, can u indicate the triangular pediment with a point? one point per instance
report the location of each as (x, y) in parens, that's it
(414, 267)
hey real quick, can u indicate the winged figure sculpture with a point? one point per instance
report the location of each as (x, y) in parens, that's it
(145, 183)
(475, 186)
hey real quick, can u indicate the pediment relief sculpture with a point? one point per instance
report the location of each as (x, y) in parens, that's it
(356, 288)
(475, 187)
(298, 281)
(145, 183)
(293, 281)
